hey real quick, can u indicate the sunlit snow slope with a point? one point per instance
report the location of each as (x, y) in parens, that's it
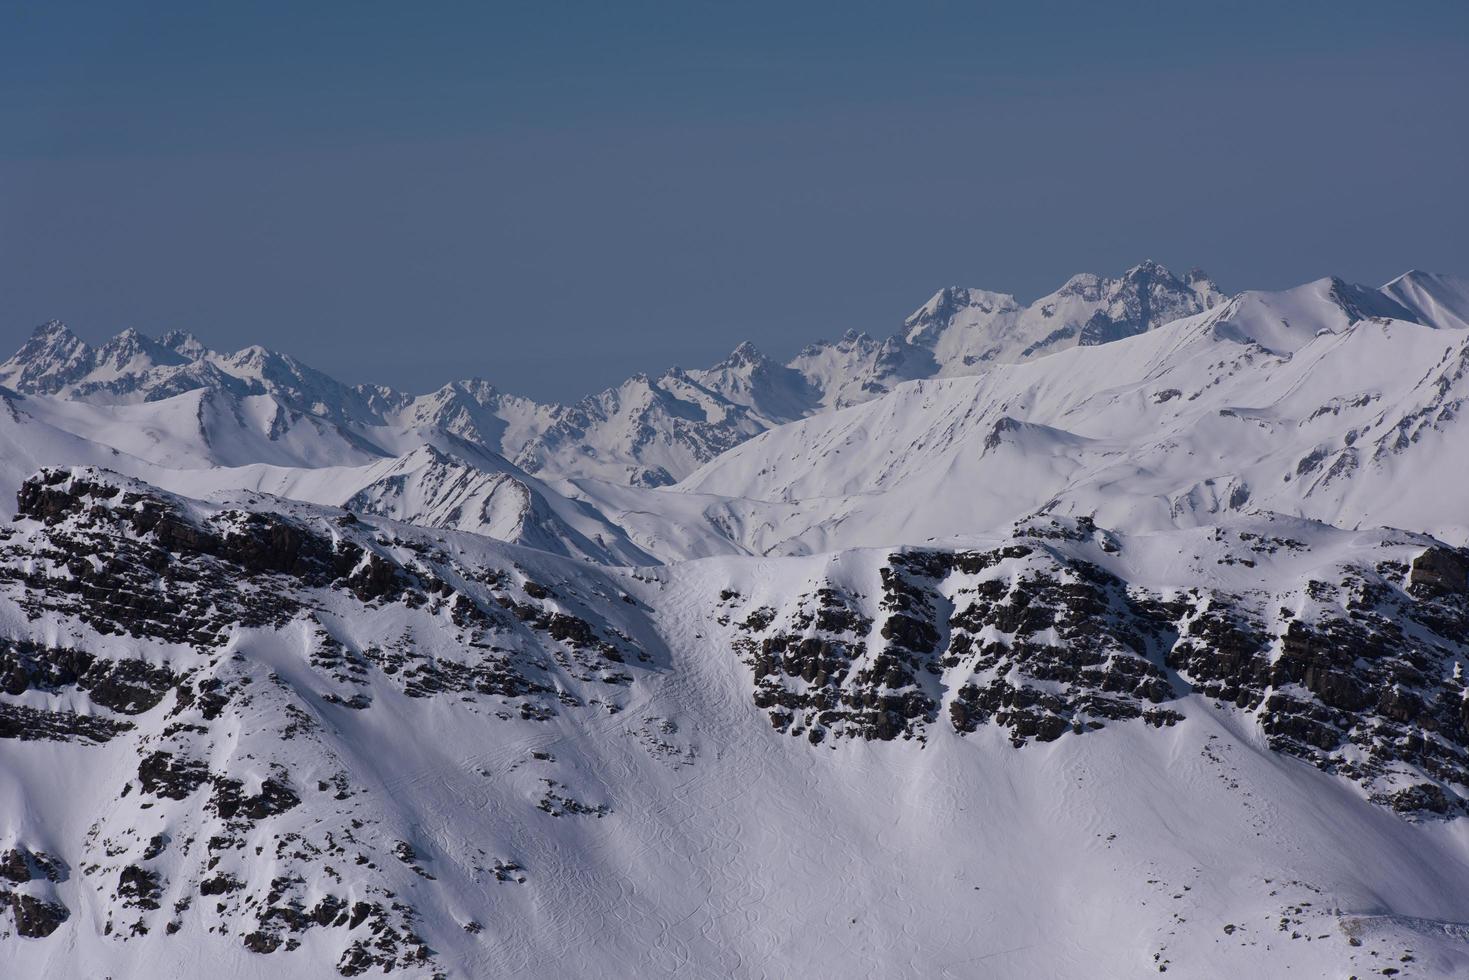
(1118, 633)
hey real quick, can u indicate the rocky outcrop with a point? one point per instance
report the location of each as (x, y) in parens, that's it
(1365, 681)
(1440, 571)
(988, 634)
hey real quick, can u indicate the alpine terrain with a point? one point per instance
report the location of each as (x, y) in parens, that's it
(1117, 633)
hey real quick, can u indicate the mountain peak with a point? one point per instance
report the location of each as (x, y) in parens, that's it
(184, 343)
(48, 360)
(744, 355)
(949, 301)
(1148, 272)
(51, 328)
(134, 350)
(1080, 284)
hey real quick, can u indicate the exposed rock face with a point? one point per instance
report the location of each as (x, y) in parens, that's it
(36, 916)
(1045, 644)
(1440, 571)
(1008, 636)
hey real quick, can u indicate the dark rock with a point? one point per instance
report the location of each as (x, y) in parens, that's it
(139, 887)
(1438, 571)
(36, 918)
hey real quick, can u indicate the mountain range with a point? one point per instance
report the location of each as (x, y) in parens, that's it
(1119, 632)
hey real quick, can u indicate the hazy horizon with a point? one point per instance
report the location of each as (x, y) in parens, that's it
(557, 199)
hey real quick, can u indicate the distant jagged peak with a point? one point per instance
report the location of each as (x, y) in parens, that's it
(185, 344)
(1147, 275)
(851, 336)
(952, 300)
(477, 389)
(1144, 277)
(1205, 288)
(51, 358)
(745, 355)
(52, 329)
(255, 354)
(1087, 285)
(1152, 275)
(850, 341)
(135, 350)
(1149, 269)
(964, 329)
(51, 335)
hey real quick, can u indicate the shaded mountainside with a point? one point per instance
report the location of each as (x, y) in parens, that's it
(299, 739)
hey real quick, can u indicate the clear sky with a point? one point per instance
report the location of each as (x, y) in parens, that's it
(554, 195)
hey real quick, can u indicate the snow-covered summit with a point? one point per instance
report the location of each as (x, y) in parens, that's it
(965, 328)
(655, 429)
(652, 429)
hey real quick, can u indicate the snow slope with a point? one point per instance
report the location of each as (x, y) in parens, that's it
(475, 491)
(569, 814)
(188, 445)
(1115, 634)
(1311, 402)
(1437, 299)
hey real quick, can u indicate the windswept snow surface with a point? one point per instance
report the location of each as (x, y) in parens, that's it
(1113, 634)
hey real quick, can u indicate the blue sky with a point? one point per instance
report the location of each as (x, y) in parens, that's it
(553, 196)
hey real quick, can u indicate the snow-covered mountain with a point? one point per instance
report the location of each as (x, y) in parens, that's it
(648, 431)
(963, 328)
(1325, 401)
(276, 737)
(1440, 300)
(1118, 633)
